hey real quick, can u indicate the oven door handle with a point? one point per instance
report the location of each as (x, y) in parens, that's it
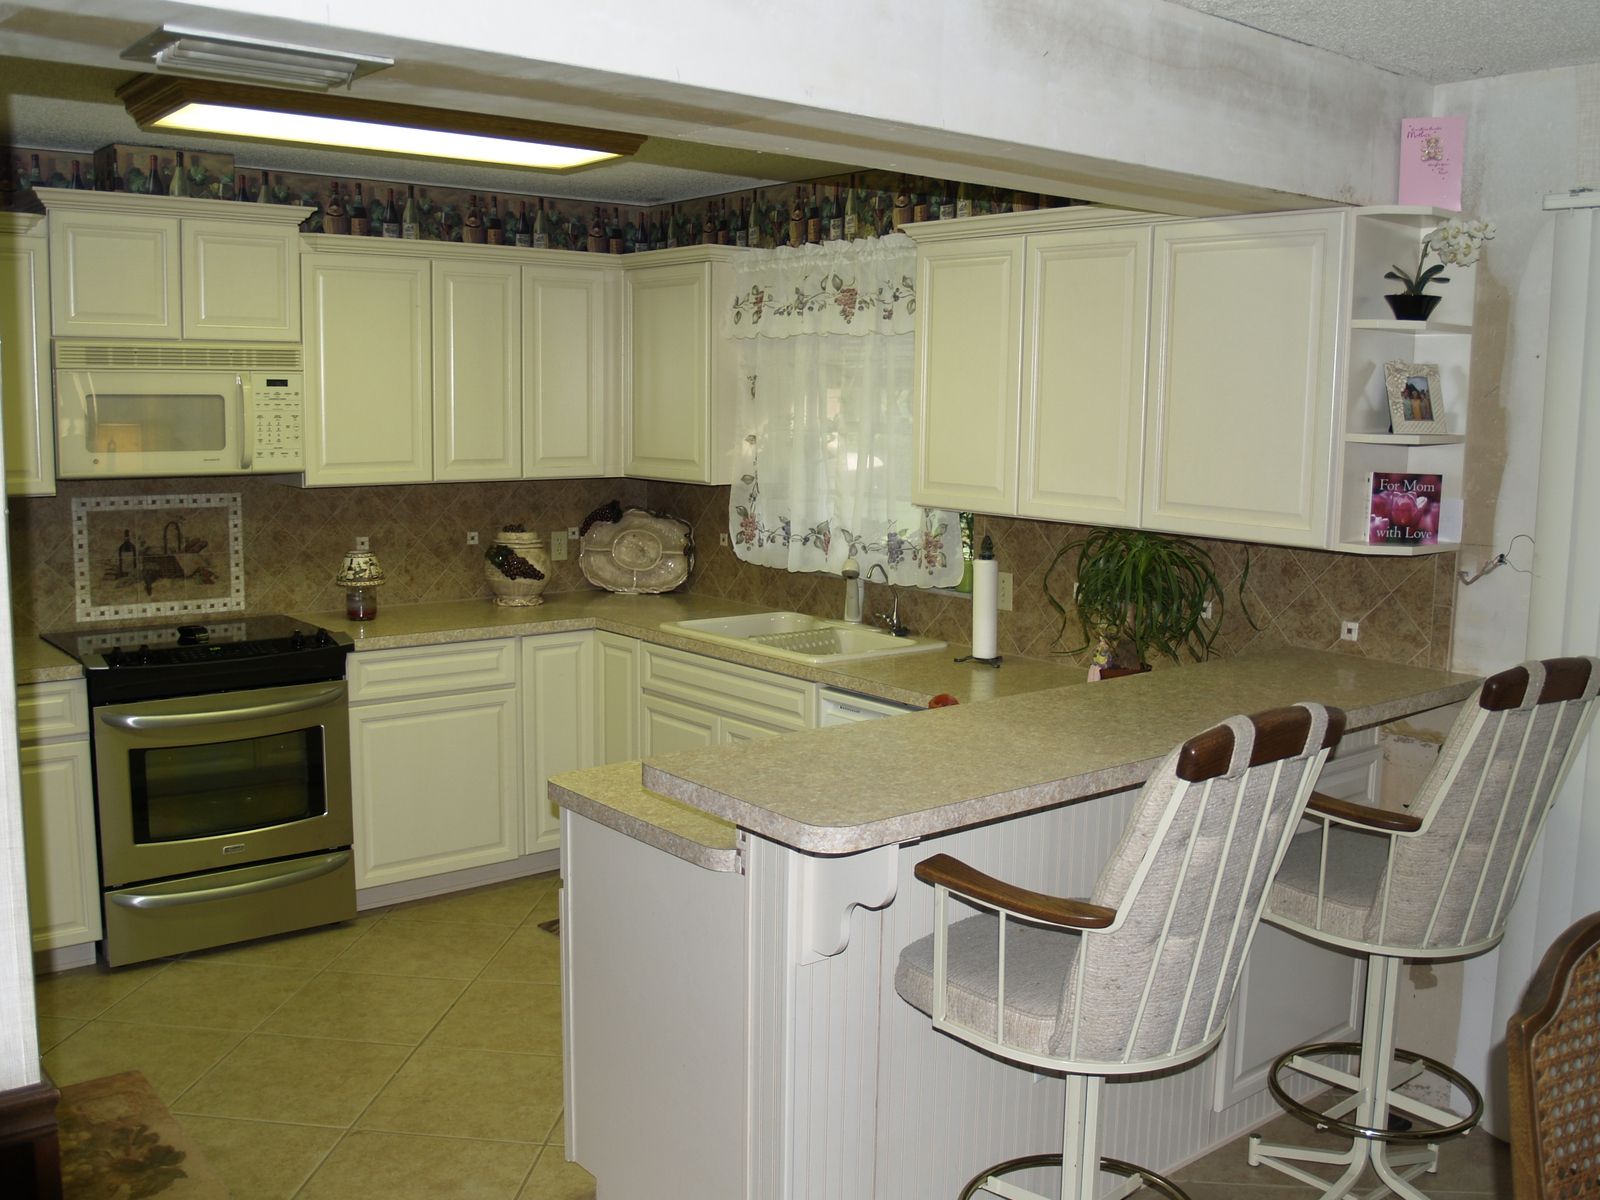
(150, 722)
(146, 901)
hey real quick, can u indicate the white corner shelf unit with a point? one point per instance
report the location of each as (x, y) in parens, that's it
(1382, 237)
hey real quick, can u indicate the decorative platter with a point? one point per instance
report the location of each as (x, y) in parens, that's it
(640, 552)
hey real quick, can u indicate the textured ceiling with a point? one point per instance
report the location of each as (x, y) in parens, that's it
(1441, 41)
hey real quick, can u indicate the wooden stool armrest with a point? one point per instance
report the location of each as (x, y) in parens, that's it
(972, 883)
(1362, 816)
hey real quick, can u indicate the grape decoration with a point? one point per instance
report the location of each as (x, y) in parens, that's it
(511, 564)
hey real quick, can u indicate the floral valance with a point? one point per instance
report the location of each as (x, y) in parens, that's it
(853, 288)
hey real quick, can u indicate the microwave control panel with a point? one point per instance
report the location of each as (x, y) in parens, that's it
(277, 409)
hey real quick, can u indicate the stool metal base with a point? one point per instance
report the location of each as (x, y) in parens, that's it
(1396, 1156)
(986, 1181)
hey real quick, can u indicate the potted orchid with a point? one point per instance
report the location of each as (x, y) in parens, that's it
(1455, 243)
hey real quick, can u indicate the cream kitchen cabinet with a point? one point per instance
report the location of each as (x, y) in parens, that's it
(677, 369)
(570, 418)
(1245, 315)
(558, 725)
(436, 759)
(58, 823)
(477, 369)
(368, 369)
(28, 413)
(164, 267)
(1031, 365)
(689, 700)
(616, 697)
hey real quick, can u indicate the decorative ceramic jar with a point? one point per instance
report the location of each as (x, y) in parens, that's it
(517, 566)
(360, 576)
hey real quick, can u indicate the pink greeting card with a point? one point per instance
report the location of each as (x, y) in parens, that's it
(1430, 161)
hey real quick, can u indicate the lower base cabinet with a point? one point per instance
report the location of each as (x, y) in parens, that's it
(60, 851)
(558, 726)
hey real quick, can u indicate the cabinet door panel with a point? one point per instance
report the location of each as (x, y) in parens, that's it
(477, 371)
(564, 380)
(369, 410)
(114, 275)
(1084, 367)
(59, 843)
(558, 725)
(617, 698)
(30, 446)
(241, 283)
(668, 725)
(438, 785)
(1237, 434)
(667, 365)
(969, 341)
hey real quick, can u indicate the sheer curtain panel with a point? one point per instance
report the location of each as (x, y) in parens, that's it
(826, 363)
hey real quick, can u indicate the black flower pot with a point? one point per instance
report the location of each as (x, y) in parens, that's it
(1412, 306)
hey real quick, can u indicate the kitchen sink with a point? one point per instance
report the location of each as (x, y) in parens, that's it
(800, 638)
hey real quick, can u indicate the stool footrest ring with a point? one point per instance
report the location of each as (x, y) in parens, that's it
(1311, 1116)
(1158, 1183)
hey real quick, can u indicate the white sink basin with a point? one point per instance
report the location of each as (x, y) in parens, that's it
(799, 638)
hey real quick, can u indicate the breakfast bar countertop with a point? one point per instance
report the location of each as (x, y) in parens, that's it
(844, 790)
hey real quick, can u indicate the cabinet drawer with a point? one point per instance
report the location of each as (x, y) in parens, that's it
(431, 670)
(52, 710)
(745, 692)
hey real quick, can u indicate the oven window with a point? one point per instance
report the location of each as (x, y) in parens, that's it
(182, 792)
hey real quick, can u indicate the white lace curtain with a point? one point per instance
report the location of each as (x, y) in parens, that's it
(825, 356)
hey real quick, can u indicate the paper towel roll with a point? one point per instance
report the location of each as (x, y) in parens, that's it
(985, 603)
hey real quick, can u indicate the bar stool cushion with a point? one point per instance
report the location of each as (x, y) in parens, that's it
(1352, 892)
(1039, 960)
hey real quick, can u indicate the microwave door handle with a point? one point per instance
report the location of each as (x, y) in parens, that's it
(154, 722)
(247, 427)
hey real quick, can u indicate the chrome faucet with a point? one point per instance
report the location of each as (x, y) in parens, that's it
(891, 619)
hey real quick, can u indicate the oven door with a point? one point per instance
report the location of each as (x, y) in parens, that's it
(207, 782)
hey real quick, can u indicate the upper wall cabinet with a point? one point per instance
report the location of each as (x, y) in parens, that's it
(570, 423)
(1031, 365)
(163, 267)
(477, 369)
(677, 373)
(1245, 319)
(25, 356)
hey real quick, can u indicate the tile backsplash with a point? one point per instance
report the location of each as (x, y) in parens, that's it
(294, 540)
(1296, 597)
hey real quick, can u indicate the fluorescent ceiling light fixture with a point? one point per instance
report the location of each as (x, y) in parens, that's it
(251, 60)
(262, 114)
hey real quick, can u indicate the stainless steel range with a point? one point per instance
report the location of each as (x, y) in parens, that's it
(222, 781)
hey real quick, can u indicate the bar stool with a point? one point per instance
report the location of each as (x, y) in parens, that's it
(1433, 883)
(1139, 977)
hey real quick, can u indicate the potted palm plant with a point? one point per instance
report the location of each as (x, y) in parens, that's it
(1138, 592)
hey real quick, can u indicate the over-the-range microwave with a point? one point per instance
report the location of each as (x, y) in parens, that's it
(177, 408)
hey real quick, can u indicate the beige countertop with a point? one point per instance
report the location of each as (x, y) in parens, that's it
(37, 661)
(911, 679)
(841, 790)
(611, 796)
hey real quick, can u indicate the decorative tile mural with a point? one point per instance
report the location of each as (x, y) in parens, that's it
(156, 556)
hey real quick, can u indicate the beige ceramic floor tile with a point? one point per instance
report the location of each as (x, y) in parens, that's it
(309, 1081)
(554, 1178)
(171, 1059)
(394, 1166)
(55, 1030)
(471, 1093)
(505, 904)
(532, 956)
(88, 991)
(547, 909)
(211, 995)
(260, 1160)
(365, 1008)
(312, 948)
(498, 1014)
(558, 1135)
(441, 951)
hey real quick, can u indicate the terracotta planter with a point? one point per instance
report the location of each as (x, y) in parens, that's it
(518, 591)
(1119, 672)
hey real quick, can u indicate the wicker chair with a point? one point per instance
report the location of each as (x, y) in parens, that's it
(1553, 1053)
(1435, 882)
(1139, 978)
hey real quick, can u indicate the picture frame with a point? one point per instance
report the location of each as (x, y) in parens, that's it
(1416, 402)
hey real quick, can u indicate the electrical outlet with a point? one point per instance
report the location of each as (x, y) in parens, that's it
(1351, 631)
(1206, 611)
(363, 544)
(722, 539)
(472, 537)
(558, 545)
(1003, 592)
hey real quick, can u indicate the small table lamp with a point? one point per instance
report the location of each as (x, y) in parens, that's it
(360, 576)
